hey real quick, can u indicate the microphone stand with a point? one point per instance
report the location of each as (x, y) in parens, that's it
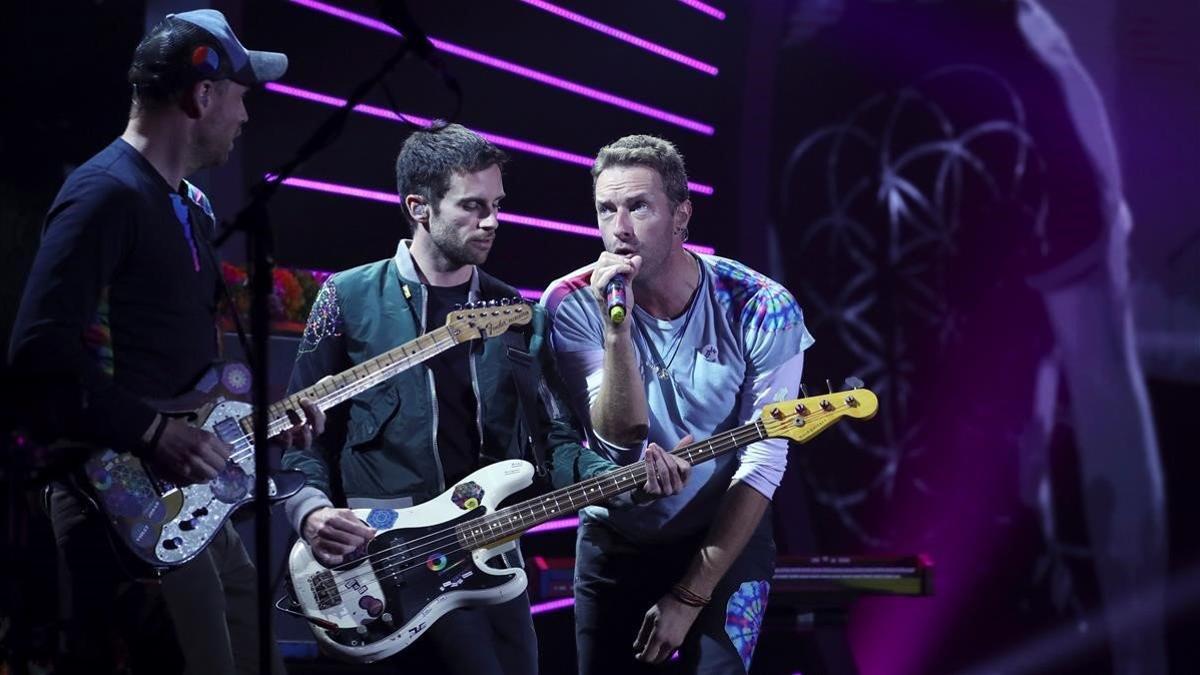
(254, 221)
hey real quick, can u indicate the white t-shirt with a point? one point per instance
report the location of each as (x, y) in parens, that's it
(737, 347)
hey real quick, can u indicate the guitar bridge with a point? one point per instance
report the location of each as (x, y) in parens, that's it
(325, 590)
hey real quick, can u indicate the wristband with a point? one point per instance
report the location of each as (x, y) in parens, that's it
(686, 596)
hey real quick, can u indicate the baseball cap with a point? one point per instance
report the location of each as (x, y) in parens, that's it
(191, 46)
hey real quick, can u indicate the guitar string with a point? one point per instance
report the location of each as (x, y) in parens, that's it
(384, 373)
(635, 477)
(450, 535)
(636, 473)
(757, 427)
(374, 378)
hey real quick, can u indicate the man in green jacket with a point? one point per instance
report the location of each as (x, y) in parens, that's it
(409, 439)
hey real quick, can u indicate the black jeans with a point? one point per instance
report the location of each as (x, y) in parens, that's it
(618, 581)
(488, 640)
(197, 618)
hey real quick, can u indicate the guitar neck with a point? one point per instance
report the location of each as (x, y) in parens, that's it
(335, 389)
(513, 520)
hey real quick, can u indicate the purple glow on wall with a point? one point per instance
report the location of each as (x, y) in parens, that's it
(623, 36)
(707, 9)
(517, 69)
(551, 605)
(555, 525)
(502, 141)
(504, 216)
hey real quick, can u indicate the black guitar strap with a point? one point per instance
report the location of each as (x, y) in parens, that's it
(525, 373)
(231, 306)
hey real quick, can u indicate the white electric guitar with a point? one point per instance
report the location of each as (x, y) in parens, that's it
(432, 558)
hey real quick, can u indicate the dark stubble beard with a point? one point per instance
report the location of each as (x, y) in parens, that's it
(459, 254)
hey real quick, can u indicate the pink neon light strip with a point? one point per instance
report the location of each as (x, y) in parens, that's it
(504, 217)
(502, 141)
(516, 69)
(707, 9)
(554, 525)
(623, 36)
(551, 605)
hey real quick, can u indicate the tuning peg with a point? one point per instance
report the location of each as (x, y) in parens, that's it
(828, 386)
(804, 390)
(853, 383)
(505, 302)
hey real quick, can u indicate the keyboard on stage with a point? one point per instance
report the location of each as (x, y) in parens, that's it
(852, 575)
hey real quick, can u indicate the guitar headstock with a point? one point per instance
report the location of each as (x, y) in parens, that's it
(487, 319)
(802, 418)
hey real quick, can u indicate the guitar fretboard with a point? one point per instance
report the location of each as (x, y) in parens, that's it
(513, 520)
(334, 389)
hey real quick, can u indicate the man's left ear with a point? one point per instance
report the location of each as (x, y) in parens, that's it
(196, 101)
(683, 214)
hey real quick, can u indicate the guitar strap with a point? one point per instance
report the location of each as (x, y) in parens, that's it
(525, 373)
(231, 306)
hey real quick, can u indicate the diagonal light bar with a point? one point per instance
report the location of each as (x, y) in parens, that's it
(517, 69)
(623, 36)
(707, 9)
(555, 525)
(502, 141)
(503, 216)
(551, 605)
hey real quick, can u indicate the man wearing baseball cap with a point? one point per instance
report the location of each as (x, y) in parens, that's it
(121, 304)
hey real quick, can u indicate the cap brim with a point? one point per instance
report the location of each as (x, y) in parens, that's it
(265, 67)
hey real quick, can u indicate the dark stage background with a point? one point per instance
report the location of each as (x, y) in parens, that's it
(911, 170)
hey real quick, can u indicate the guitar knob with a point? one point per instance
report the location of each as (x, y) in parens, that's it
(169, 544)
(200, 512)
(187, 525)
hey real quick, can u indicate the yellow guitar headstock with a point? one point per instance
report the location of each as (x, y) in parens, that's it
(487, 319)
(802, 418)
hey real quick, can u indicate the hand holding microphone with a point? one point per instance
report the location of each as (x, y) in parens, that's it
(614, 296)
(612, 284)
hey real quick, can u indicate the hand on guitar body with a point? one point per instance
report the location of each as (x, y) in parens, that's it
(333, 534)
(186, 455)
(666, 474)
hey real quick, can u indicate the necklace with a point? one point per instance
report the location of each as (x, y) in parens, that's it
(663, 369)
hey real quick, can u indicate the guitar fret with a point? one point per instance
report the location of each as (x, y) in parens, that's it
(521, 517)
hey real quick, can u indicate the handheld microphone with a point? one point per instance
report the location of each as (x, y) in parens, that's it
(614, 294)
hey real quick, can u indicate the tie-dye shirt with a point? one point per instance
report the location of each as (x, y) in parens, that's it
(737, 347)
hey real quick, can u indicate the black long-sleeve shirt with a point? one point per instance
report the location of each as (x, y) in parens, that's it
(120, 304)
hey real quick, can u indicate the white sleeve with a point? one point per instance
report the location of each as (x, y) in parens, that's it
(761, 464)
(775, 339)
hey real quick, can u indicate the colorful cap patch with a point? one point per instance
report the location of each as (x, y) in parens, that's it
(206, 60)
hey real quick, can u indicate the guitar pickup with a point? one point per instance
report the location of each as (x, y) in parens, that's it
(325, 590)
